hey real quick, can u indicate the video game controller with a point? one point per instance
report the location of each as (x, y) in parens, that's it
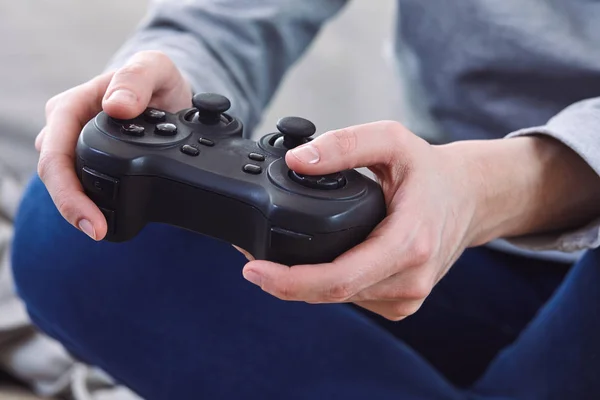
(194, 170)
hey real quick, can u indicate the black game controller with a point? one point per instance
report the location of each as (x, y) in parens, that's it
(194, 170)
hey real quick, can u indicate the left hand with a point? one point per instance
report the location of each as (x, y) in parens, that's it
(431, 212)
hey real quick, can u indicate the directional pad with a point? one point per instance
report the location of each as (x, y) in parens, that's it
(322, 182)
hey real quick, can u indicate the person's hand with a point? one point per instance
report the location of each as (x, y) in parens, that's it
(148, 79)
(430, 211)
(440, 200)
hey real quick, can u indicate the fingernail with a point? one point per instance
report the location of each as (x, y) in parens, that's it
(124, 97)
(253, 277)
(307, 154)
(87, 228)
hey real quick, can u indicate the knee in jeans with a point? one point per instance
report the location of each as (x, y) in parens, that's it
(42, 247)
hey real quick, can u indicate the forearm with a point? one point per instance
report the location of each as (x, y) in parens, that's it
(528, 185)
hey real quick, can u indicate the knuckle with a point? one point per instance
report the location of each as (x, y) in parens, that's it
(39, 139)
(408, 309)
(345, 141)
(134, 69)
(142, 61)
(419, 289)
(393, 127)
(63, 204)
(340, 291)
(44, 166)
(285, 291)
(91, 87)
(58, 102)
(63, 200)
(395, 130)
(60, 192)
(400, 310)
(51, 104)
(393, 316)
(156, 55)
(422, 251)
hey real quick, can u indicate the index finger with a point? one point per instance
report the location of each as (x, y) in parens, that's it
(370, 262)
(56, 166)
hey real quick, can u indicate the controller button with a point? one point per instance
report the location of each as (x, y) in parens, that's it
(284, 239)
(323, 182)
(256, 157)
(206, 142)
(155, 116)
(295, 131)
(166, 129)
(210, 107)
(110, 219)
(252, 169)
(190, 150)
(99, 183)
(133, 130)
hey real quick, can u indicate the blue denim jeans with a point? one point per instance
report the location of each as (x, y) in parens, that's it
(169, 315)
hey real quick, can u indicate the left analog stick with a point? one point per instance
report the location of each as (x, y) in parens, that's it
(210, 107)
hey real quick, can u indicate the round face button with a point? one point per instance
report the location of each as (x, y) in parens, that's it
(166, 129)
(155, 116)
(133, 130)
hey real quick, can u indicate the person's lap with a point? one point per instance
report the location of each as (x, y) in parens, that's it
(170, 315)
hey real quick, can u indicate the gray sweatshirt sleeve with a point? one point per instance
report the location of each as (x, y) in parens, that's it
(237, 48)
(577, 126)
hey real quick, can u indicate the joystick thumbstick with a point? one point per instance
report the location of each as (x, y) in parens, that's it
(210, 106)
(295, 131)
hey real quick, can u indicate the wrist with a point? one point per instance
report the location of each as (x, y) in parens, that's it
(511, 179)
(491, 194)
(526, 185)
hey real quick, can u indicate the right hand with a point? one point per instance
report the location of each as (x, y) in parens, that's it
(149, 79)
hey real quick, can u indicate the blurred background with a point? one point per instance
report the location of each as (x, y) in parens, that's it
(48, 47)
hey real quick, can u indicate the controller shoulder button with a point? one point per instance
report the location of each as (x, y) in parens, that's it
(99, 183)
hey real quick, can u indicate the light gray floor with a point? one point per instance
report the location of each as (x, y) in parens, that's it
(49, 46)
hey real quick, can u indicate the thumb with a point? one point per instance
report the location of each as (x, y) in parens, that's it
(354, 147)
(133, 86)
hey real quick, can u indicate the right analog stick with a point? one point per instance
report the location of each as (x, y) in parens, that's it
(295, 132)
